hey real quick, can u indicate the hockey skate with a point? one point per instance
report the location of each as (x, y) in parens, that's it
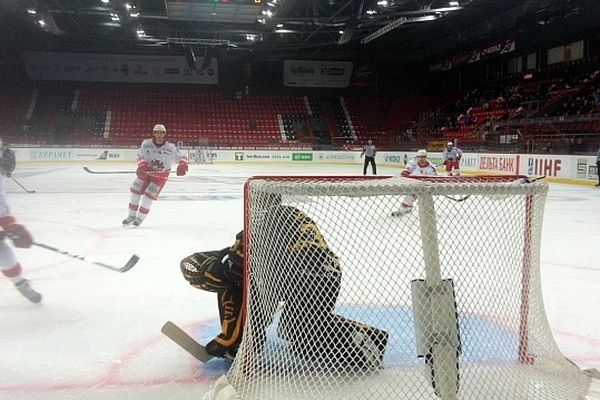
(137, 222)
(403, 210)
(128, 221)
(216, 350)
(26, 290)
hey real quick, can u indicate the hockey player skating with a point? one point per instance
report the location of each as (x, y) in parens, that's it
(451, 157)
(307, 281)
(11, 268)
(155, 158)
(418, 166)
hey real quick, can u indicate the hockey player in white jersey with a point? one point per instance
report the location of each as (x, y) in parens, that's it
(418, 166)
(155, 158)
(451, 157)
(20, 236)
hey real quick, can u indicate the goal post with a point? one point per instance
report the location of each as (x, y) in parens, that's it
(345, 301)
(201, 155)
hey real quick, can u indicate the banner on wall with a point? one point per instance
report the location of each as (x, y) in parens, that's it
(483, 53)
(504, 163)
(89, 67)
(364, 74)
(307, 73)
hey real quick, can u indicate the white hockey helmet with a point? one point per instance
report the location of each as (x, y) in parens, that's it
(160, 128)
(450, 144)
(422, 153)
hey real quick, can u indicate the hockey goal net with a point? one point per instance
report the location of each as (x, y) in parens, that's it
(346, 301)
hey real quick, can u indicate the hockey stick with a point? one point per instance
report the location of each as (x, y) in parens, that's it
(86, 169)
(520, 180)
(185, 341)
(457, 199)
(128, 265)
(22, 187)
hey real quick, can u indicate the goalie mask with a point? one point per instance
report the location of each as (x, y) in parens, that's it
(194, 268)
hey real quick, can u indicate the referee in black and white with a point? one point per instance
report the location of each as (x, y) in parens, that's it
(369, 152)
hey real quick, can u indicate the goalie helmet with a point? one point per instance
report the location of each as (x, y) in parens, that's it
(422, 153)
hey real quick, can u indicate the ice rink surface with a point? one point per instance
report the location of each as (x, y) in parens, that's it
(96, 334)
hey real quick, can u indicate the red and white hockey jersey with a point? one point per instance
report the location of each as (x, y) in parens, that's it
(159, 158)
(415, 168)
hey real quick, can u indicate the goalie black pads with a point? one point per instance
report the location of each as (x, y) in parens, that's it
(339, 341)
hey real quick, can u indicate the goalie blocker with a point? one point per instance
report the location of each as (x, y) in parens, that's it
(307, 322)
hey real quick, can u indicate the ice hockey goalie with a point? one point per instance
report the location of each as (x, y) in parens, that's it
(305, 280)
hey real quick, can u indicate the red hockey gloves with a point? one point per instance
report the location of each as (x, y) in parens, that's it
(405, 172)
(142, 169)
(446, 162)
(20, 236)
(182, 168)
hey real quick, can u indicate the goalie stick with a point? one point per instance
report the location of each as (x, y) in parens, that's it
(185, 341)
(128, 265)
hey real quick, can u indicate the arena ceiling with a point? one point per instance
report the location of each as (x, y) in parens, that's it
(393, 29)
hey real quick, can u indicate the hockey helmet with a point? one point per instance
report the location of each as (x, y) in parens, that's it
(422, 153)
(159, 128)
(450, 144)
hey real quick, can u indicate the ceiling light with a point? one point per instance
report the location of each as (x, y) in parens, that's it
(453, 4)
(41, 22)
(31, 11)
(105, 1)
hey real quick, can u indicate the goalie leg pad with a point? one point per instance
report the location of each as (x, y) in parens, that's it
(343, 342)
(226, 343)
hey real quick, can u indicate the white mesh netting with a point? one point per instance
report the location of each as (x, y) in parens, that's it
(345, 301)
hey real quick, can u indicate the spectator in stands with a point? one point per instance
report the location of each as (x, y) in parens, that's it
(369, 151)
